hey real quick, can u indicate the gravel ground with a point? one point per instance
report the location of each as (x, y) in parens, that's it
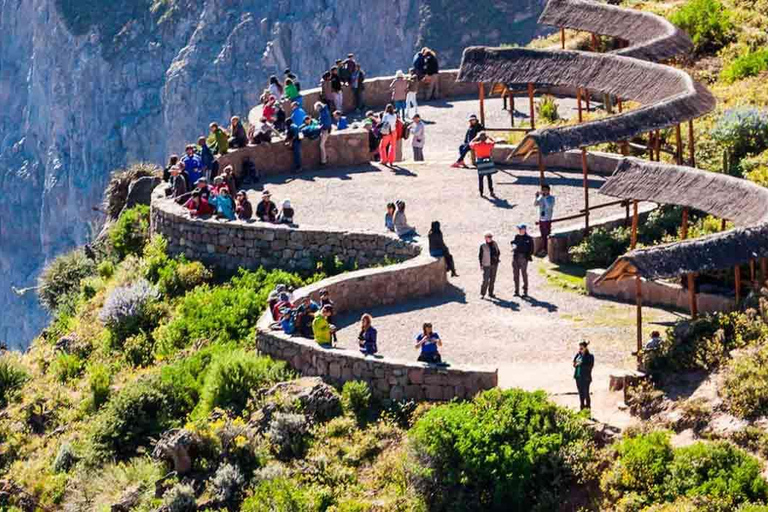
(531, 341)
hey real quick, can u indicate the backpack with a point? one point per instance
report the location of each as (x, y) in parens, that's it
(406, 130)
(384, 128)
(311, 132)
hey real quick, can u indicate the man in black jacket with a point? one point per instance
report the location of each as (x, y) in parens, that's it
(522, 253)
(475, 127)
(489, 264)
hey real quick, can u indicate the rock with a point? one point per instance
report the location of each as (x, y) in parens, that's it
(65, 343)
(318, 400)
(14, 495)
(176, 446)
(129, 499)
(140, 191)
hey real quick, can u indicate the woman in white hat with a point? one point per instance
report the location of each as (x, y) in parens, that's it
(286, 213)
(266, 211)
(399, 88)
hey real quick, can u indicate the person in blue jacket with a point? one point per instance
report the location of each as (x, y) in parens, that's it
(326, 124)
(293, 141)
(297, 114)
(367, 337)
(418, 64)
(224, 205)
(340, 121)
(429, 342)
(206, 156)
(192, 164)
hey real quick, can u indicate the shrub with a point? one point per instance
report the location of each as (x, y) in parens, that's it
(708, 23)
(547, 109)
(179, 277)
(227, 482)
(501, 448)
(65, 458)
(234, 376)
(746, 378)
(755, 168)
(61, 278)
(12, 378)
(601, 247)
(128, 310)
(644, 400)
(356, 398)
(99, 381)
(130, 233)
(278, 494)
(66, 367)
(181, 498)
(138, 350)
(288, 433)
(749, 64)
(106, 269)
(743, 131)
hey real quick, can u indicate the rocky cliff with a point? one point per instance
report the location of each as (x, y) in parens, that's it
(88, 86)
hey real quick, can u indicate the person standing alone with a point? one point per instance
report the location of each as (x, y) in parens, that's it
(489, 255)
(418, 139)
(522, 253)
(583, 362)
(546, 204)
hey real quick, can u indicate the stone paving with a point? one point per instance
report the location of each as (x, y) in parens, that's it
(531, 341)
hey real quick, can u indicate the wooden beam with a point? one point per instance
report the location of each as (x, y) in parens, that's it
(481, 92)
(639, 301)
(684, 226)
(691, 144)
(737, 279)
(512, 107)
(635, 222)
(562, 38)
(657, 142)
(650, 146)
(620, 104)
(585, 172)
(594, 41)
(588, 97)
(542, 168)
(692, 295)
(532, 106)
(578, 104)
(752, 274)
(679, 145)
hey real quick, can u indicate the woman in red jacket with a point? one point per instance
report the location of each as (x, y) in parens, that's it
(483, 148)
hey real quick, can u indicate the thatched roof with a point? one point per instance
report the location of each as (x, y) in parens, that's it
(741, 201)
(668, 96)
(650, 37)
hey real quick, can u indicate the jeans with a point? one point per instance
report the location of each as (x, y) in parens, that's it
(400, 108)
(490, 182)
(463, 150)
(358, 92)
(418, 154)
(324, 134)
(388, 154)
(433, 87)
(296, 147)
(489, 279)
(582, 385)
(520, 265)
(545, 228)
(432, 357)
(411, 104)
(338, 101)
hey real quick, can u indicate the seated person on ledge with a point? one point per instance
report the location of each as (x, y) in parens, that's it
(264, 132)
(225, 207)
(322, 328)
(266, 211)
(243, 206)
(428, 341)
(197, 205)
(367, 337)
(339, 121)
(402, 228)
(286, 213)
(389, 217)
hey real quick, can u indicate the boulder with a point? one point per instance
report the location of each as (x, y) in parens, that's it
(318, 400)
(129, 499)
(176, 446)
(140, 191)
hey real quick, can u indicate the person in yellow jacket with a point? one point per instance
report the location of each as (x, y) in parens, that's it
(322, 328)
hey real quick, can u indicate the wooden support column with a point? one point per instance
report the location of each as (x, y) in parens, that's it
(763, 270)
(512, 107)
(678, 145)
(639, 300)
(684, 226)
(657, 144)
(562, 38)
(691, 144)
(578, 104)
(691, 277)
(588, 97)
(532, 106)
(651, 145)
(595, 41)
(752, 274)
(635, 222)
(481, 93)
(737, 279)
(585, 172)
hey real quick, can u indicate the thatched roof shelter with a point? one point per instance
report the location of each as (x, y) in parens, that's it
(738, 200)
(650, 37)
(668, 96)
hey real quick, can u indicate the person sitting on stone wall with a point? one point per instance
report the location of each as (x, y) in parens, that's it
(218, 140)
(202, 187)
(432, 69)
(184, 174)
(263, 133)
(438, 249)
(297, 114)
(206, 157)
(192, 164)
(389, 217)
(305, 314)
(293, 141)
(338, 96)
(340, 121)
(367, 337)
(286, 213)
(239, 138)
(290, 92)
(225, 207)
(243, 207)
(270, 109)
(283, 302)
(429, 341)
(322, 328)
(326, 301)
(218, 185)
(229, 179)
(178, 186)
(173, 160)
(310, 128)
(197, 205)
(402, 229)
(266, 211)
(475, 127)
(274, 297)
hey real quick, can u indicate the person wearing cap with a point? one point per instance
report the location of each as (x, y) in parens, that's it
(326, 125)
(243, 207)
(400, 221)
(475, 127)
(545, 201)
(297, 114)
(489, 256)
(429, 342)
(173, 160)
(399, 89)
(339, 121)
(483, 147)
(266, 211)
(202, 187)
(367, 337)
(178, 185)
(192, 164)
(218, 139)
(522, 253)
(198, 205)
(438, 249)
(286, 213)
(418, 138)
(583, 362)
(322, 328)
(411, 103)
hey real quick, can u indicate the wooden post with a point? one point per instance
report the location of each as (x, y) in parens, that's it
(763, 270)
(752, 274)
(678, 145)
(532, 106)
(657, 142)
(684, 226)
(578, 104)
(562, 38)
(639, 300)
(512, 107)
(691, 147)
(594, 42)
(481, 92)
(588, 96)
(737, 278)
(635, 222)
(542, 169)
(585, 171)
(650, 146)
(626, 214)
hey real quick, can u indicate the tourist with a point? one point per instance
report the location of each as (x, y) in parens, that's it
(297, 114)
(475, 127)
(483, 147)
(358, 89)
(388, 130)
(654, 343)
(338, 96)
(546, 204)
(438, 249)
(228, 175)
(218, 140)
(418, 138)
(432, 70)
(583, 362)
(218, 185)
(322, 328)
(202, 187)
(429, 341)
(280, 118)
(172, 161)
(239, 138)
(283, 302)
(197, 205)
(263, 133)
(350, 67)
(243, 207)
(225, 207)
(266, 211)
(411, 102)
(326, 124)
(286, 213)
(489, 255)
(293, 140)
(290, 91)
(399, 89)
(178, 186)
(206, 156)
(326, 91)
(310, 129)
(326, 302)
(355, 82)
(270, 109)
(389, 217)
(275, 87)
(367, 337)
(522, 253)
(192, 164)
(402, 229)
(418, 64)
(305, 315)
(371, 125)
(288, 74)
(184, 174)
(339, 121)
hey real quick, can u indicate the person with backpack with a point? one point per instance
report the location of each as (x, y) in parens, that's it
(388, 130)
(326, 124)
(399, 88)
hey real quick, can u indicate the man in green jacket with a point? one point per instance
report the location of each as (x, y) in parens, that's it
(322, 328)
(218, 140)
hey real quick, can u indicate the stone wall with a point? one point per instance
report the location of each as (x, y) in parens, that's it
(657, 293)
(230, 245)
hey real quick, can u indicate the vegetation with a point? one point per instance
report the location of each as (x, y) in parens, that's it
(749, 64)
(130, 233)
(708, 23)
(60, 281)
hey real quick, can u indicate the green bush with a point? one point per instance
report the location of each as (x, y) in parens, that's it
(503, 447)
(234, 376)
(130, 310)
(99, 381)
(755, 168)
(139, 350)
(356, 399)
(12, 378)
(61, 278)
(749, 64)
(180, 276)
(130, 233)
(745, 382)
(278, 494)
(547, 109)
(708, 23)
(67, 367)
(106, 269)
(742, 132)
(601, 248)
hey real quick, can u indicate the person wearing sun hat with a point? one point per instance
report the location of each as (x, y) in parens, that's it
(399, 88)
(286, 213)
(474, 129)
(522, 253)
(489, 256)
(266, 211)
